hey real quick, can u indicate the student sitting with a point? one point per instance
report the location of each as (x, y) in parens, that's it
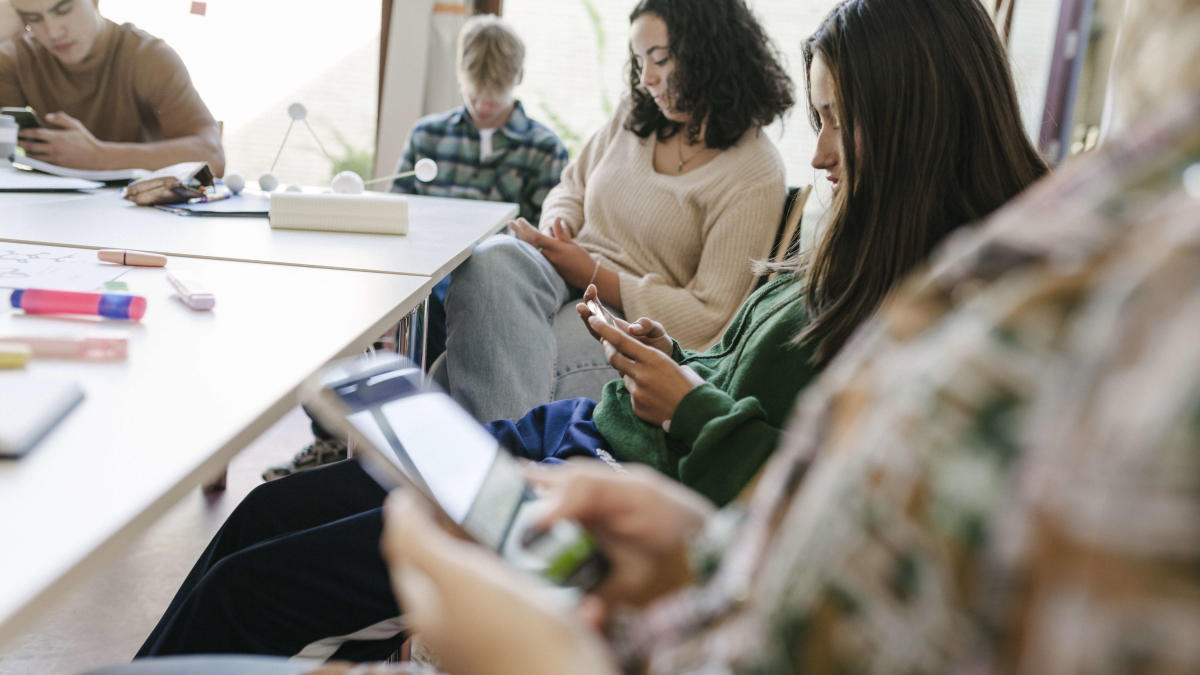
(673, 237)
(296, 569)
(663, 209)
(486, 149)
(110, 97)
(1000, 475)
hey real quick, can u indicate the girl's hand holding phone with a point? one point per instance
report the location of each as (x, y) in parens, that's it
(645, 330)
(655, 382)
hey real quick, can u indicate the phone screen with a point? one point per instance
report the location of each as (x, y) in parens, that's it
(440, 448)
(600, 311)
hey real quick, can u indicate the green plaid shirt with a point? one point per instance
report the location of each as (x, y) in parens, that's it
(527, 160)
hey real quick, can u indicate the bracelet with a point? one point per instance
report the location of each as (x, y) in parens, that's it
(595, 272)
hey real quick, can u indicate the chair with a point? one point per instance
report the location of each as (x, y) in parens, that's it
(787, 239)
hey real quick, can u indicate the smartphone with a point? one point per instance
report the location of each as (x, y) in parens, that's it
(601, 311)
(411, 434)
(25, 117)
(606, 316)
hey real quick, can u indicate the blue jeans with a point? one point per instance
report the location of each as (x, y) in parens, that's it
(513, 338)
(296, 570)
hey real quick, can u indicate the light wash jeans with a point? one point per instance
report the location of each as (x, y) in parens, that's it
(513, 338)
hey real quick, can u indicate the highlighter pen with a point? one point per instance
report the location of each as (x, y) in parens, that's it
(110, 305)
(137, 258)
(54, 347)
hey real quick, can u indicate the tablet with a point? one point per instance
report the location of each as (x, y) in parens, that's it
(408, 434)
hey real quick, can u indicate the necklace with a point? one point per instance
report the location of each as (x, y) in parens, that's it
(683, 162)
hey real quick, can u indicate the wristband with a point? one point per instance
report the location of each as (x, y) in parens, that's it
(595, 273)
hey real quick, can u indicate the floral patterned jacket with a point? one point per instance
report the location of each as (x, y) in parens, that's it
(1001, 472)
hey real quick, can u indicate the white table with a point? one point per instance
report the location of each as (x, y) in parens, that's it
(441, 234)
(196, 388)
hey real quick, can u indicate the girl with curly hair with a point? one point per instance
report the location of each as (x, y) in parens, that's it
(664, 209)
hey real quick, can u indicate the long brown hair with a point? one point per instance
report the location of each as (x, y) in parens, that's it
(932, 140)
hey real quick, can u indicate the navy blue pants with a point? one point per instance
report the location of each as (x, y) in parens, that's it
(296, 568)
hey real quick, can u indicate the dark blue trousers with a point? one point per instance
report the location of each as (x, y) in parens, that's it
(296, 567)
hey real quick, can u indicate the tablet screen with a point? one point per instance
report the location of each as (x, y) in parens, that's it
(444, 445)
(439, 448)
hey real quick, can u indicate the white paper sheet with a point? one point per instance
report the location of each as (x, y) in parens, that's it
(16, 180)
(32, 266)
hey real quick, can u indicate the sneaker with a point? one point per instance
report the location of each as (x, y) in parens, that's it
(319, 452)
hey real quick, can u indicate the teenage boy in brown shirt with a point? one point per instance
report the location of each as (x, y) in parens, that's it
(110, 96)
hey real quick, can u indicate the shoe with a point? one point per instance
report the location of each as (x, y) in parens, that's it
(321, 451)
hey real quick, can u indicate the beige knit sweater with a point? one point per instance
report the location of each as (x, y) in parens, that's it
(681, 244)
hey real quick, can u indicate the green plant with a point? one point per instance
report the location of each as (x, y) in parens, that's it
(350, 158)
(570, 136)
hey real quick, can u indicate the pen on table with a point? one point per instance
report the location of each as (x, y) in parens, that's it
(192, 294)
(55, 347)
(109, 305)
(213, 197)
(137, 258)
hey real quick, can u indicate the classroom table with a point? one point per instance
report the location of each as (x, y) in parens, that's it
(196, 388)
(441, 234)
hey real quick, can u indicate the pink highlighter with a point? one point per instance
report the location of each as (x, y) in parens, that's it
(109, 305)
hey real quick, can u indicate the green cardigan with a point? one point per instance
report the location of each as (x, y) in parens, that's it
(724, 429)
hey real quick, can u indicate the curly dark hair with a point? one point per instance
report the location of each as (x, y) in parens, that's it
(728, 76)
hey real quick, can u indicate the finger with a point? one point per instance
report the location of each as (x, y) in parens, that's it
(413, 537)
(646, 328)
(580, 491)
(32, 134)
(591, 292)
(564, 232)
(585, 313)
(621, 340)
(62, 119)
(411, 544)
(522, 230)
(622, 364)
(37, 150)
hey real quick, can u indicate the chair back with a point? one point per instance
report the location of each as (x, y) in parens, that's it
(787, 238)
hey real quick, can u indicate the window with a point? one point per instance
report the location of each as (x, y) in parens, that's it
(250, 59)
(576, 53)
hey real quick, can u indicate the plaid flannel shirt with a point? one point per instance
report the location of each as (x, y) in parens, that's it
(526, 162)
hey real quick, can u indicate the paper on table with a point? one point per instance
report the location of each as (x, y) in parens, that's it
(55, 170)
(243, 205)
(29, 266)
(13, 179)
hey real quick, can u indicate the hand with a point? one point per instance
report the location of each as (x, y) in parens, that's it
(655, 382)
(641, 519)
(648, 331)
(65, 142)
(570, 260)
(477, 614)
